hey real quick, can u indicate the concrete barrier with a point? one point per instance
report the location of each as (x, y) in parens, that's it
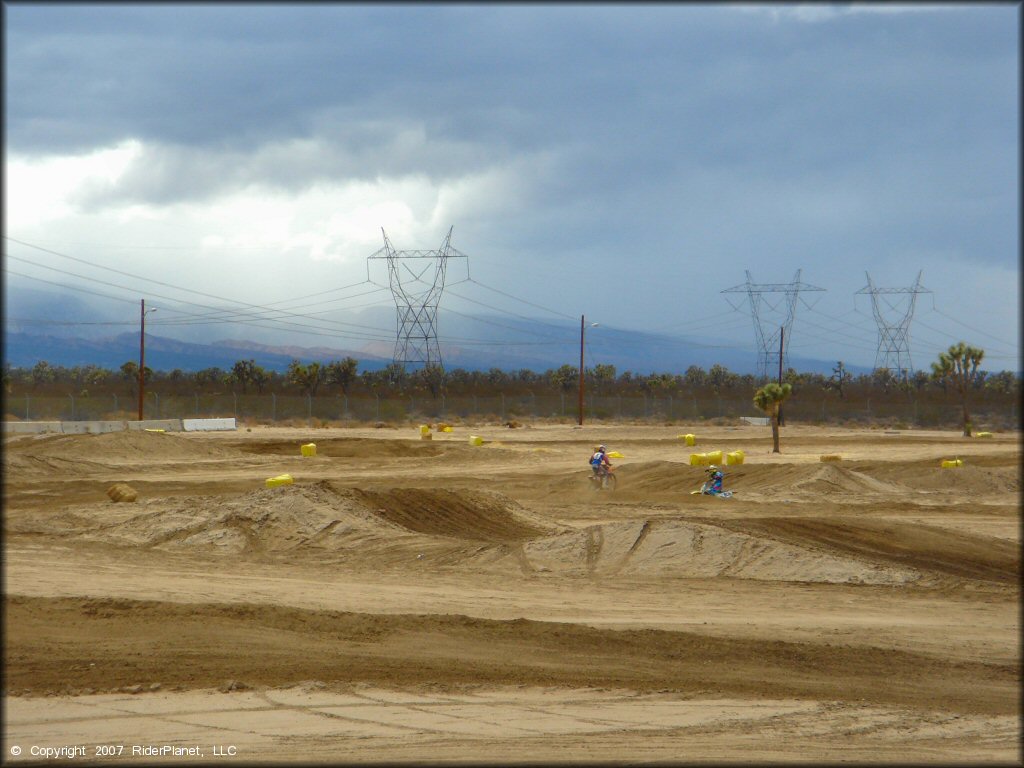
(98, 427)
(91, 427)
(205, 425)
(31, 427)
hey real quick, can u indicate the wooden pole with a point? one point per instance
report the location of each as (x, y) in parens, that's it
(581, 372)
(142, 354)
(782, 335)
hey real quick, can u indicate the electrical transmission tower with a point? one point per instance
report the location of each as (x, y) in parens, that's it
(417, 293)
(894, 335)
(773, 343)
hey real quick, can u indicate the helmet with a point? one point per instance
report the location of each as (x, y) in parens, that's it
(712, 468)
(601, 448)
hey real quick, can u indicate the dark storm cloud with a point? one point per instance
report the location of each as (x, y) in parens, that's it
(777, 132)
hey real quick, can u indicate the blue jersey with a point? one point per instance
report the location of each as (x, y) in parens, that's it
(715, 482)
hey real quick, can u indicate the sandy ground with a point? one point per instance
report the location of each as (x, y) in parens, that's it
(414, 600)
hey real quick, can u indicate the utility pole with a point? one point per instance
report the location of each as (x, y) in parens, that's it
(142, 354)
(782, 335)
(581, 370)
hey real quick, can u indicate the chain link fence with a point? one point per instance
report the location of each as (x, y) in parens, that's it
(273, 408)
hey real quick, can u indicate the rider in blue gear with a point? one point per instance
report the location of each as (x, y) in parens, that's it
(599, 460)
(713, 486)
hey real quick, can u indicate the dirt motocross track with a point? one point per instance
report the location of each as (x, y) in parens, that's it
(431, 600)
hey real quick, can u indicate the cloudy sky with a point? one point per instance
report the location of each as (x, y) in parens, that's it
(625, 162)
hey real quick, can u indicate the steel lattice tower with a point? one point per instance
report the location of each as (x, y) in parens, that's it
(416, 306)
(894, 336)
(769, 342)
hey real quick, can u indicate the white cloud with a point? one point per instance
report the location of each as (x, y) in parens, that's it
(47, 189)
(814, 13)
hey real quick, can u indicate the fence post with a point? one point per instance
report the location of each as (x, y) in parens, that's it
(309, 408)
(234, 407)
(377, 395)
(273, 406)
(695, 411)
(442, 407)
(26, 406)
(72, 407)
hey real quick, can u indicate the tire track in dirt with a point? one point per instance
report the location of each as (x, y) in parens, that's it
(56, 645)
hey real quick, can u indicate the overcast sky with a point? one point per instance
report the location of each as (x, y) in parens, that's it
(624, 162)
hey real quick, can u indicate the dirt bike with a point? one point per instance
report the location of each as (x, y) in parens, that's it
(705, 490)
(603, 479)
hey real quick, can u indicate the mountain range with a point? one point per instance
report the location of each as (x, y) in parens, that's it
(66, 330)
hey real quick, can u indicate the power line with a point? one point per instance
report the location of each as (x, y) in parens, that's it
(215, 315)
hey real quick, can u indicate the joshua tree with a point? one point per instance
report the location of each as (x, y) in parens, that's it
(769, 399)
(958, 367)
(840, 378)
(343, 373)
(308, 377)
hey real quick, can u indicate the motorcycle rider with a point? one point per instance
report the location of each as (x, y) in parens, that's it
(713, 485)
(599, 462)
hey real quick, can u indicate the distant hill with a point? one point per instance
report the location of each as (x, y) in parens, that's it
(23, 350)
(77, 332)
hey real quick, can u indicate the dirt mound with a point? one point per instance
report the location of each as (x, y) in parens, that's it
(683, 549)
(347, 447)
(977, 475)
(320, 516)
(127, 445)
(473, 516)
(659, 477)
(913, 546)
(829, 478)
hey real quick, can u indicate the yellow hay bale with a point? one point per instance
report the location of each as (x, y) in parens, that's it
(952, 464)
(274, 482)
(734, 457)
(309, 449)
(831, 457)
(698, 459)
